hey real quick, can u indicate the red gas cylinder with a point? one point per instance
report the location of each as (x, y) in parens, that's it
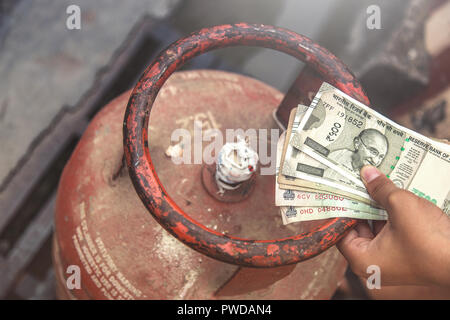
(193, 244)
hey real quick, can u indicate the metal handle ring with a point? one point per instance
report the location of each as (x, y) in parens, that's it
(245, 252)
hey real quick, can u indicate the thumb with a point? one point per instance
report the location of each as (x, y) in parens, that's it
(383, 190)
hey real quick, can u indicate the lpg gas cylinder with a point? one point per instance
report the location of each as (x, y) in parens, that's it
(198, 242)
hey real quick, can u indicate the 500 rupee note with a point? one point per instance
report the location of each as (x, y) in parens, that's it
(344, 135)
(300, 170)
(295, 198)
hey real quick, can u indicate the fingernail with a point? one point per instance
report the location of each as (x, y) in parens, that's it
(369, 173)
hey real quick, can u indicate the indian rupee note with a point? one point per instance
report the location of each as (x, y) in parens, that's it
(303, 172)
(295, 198)
(344, 135)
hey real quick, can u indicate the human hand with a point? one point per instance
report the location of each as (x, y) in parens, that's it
(411, 248)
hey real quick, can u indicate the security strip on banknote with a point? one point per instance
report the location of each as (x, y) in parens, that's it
(343, 135)
(298, 206)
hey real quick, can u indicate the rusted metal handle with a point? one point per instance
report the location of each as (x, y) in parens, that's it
(245, 252)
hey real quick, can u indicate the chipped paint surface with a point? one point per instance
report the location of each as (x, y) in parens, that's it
(244, 252)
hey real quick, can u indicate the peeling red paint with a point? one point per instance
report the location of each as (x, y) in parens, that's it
(230, 249)
(181, 232)
(272, 248)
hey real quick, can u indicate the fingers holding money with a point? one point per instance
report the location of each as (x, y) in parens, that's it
(354, 247)
(300, 203)
(336, 139)
(390, 197)
(338, 135)
(379, 186)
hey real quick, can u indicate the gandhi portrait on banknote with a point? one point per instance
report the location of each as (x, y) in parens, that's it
(368, 148)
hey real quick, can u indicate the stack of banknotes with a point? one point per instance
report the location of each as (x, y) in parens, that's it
(326, 144)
